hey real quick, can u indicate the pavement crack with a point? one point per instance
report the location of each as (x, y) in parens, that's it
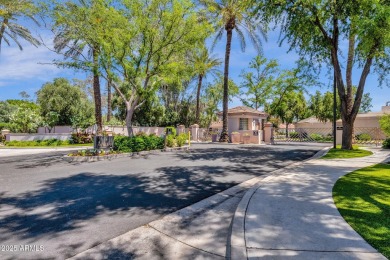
(184, 243)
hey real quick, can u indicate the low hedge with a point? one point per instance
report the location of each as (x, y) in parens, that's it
(47, 142)
(138, 143)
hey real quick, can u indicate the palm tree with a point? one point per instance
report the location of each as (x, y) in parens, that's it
(229, 16)
(74, 38)
(10, 10)
(204, 64)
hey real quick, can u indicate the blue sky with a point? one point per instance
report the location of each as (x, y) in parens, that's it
(29, 69)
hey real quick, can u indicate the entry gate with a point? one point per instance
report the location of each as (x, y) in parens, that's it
(308, 135)
(361, 135)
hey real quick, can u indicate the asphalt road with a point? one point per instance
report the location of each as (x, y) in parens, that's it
(60, 209)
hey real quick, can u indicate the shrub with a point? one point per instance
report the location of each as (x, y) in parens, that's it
(170, 140)
(294, 134)
(153, 142)
(138, 143)
(48, 142)
(123, 144)
(170, 129)
(79, 138)
(181, 139)
(4, 126)
(2, 138)
(386, 143)
(363, 137)
(316, 137)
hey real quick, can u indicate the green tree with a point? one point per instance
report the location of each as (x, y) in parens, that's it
(149, 40)
(260, 82)
(60, 102)
(204, 63)
(229, 16)
(25, 118)
(77, 28)
(316, 28)
(214, 97)
(10, 12)
(385, 124)
(366, 103)
(321, 106)
(289, 108)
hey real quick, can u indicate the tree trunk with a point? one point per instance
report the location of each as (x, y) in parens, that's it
(200, 78)
(96, 91)
(347, 134)
(224, 134)
(109, 97)
(129, 117)
(287, 133)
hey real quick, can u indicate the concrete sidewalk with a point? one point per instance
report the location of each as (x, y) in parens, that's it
(292, 215)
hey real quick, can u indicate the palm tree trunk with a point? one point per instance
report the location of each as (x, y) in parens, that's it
(109, 97)
(224, 134)
(96, 91)
(200, 78)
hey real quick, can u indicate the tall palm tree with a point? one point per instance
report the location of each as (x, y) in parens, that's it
(204, 64)
(10, 10)
(75, 39)
(229, 16)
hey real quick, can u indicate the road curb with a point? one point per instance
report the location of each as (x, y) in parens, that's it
(237, 248)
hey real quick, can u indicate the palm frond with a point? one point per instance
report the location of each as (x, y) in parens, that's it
(242, 38)
(217, 38)
(15, 39)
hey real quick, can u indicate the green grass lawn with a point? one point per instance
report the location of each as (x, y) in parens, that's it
(339, 153)
(363, 199)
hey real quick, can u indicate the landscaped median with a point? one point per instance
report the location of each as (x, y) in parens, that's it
(363, 199)
(135, 146)
(338, 153)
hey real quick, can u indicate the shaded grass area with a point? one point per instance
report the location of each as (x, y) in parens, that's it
(339, 153)
(362, 198)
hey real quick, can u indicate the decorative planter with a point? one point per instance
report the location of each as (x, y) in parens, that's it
(235, 138)
(246, 139)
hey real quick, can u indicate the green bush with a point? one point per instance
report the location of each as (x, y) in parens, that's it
(386, 143)
(171, 129)
(48, 142)
(170, 140)
(4, 126)
(316, 137)
(363, 137)
(294, 135)
(181, 139)
(138, 143)
(79, 138)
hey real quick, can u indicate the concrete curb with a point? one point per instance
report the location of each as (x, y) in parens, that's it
(237, 236)
(108, 157)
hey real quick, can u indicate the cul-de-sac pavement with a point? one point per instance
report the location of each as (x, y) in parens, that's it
(202, 203)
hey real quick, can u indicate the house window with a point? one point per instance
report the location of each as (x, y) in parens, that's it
(243, 124)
